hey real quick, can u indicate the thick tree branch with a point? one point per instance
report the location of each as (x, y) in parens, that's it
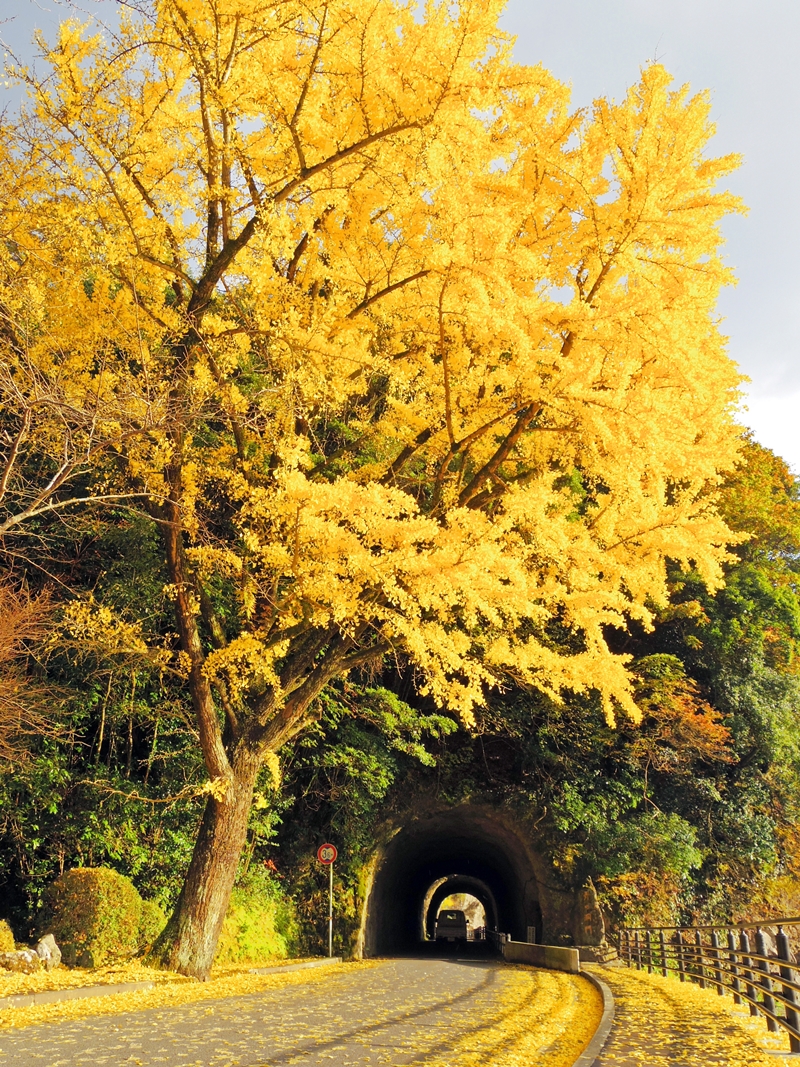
(312, 69)
(218, 638)
(397, 464)
(370, 300)
(343, 153)
(230, 249)
(202, 699)
(302, 244)
(526, 417)
(59, 505)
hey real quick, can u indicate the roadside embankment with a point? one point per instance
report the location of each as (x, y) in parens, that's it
(660, 1022)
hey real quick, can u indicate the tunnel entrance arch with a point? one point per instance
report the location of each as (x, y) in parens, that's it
(464, 849)
(442, 888)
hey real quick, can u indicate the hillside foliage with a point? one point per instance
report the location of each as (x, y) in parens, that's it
(334, 343)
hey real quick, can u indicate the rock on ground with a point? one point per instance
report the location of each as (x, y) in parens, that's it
(48, 951)
(25, 961)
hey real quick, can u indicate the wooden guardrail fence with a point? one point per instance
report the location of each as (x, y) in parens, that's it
(746, 960)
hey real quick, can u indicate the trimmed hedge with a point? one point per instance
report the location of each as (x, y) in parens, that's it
(98, 917)
(152, 922)
(6, 937)
(95, 915)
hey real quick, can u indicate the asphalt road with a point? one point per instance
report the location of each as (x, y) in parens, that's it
(404, 1011)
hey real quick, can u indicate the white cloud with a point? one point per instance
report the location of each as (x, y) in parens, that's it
(775, 421)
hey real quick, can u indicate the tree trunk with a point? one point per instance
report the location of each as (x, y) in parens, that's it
(189, 940)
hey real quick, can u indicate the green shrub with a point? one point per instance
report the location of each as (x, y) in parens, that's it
(95, 915)
(6, 937)
(259, 925)
(152, 922)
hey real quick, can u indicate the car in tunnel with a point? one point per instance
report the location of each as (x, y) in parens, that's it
(451, 925)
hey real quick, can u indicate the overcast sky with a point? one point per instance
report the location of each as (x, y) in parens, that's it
(746, 53)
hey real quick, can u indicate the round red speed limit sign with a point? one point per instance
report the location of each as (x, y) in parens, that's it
(327, 853)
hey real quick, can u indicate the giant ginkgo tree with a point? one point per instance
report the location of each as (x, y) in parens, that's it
(409, 359)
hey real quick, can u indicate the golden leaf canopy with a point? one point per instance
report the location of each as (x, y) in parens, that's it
(424, 362)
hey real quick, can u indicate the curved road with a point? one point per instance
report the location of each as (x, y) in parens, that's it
(397, 1012)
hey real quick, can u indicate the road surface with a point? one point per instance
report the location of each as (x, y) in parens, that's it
(396, 1013)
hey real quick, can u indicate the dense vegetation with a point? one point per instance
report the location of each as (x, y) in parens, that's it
(694, 813)
(362, 414)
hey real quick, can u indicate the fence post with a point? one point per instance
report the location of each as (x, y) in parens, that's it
(648, 941)
(792, 1017)
(736, 985)
(749, 978)
(766, 982)
(663, 946)
(700, 969)
(637, 947)
(681, 959)
(716, 957)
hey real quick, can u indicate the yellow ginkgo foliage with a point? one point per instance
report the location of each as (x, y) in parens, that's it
(403, 356)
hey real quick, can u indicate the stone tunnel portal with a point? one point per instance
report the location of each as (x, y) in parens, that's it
(460, 850)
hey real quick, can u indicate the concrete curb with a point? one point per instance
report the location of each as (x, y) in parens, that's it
(295, 966)
(589, 1055)
(53, 996)
(551, 957)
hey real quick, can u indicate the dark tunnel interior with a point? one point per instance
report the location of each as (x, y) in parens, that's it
(455, 851)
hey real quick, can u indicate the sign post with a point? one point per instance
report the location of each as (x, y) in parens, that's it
(326, 854)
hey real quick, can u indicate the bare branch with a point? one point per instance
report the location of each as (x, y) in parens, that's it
(8, 466)
(26, 706)
(59, 505)
(370, 300)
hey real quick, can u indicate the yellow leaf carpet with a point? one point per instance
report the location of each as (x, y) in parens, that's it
(661, 1022)
(384, 1013)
